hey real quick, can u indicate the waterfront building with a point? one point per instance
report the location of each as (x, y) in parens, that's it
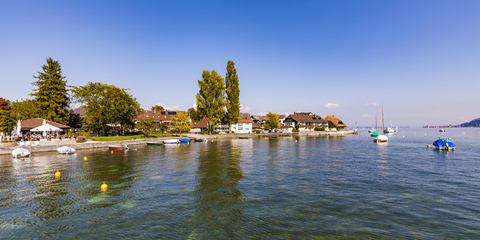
(307, 121)
(244, 125)
(337, 123)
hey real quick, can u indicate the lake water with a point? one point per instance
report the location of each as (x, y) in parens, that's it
(285, 188)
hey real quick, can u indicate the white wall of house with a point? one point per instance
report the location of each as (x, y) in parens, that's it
(242, 128)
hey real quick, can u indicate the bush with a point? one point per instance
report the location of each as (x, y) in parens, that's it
(81, 139)
(257, 131)
(202, 132)
(319, 129)
(295, 130)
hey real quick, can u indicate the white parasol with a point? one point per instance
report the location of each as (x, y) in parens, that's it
(44, 127)
(19, 128)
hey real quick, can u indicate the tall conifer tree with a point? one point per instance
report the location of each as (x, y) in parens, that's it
(211, 97)
(233, 94)
(52, 95)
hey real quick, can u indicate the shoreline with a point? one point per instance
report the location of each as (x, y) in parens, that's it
(6, 148)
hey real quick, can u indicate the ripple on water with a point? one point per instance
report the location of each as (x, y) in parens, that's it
(100, 197)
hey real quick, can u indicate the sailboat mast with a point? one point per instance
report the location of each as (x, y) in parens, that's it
(382, 120)
(375, 122)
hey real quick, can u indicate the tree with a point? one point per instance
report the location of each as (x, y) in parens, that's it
(158, 108)
(211, 97)
(52, 95)
(272, 121)
(146, 126)
(233, 94)
(195, 115)
(181, 122)
(4, 104)
(25, 109)
(7, 122)
(106, 104)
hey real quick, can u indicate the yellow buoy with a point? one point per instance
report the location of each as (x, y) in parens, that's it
(112, 152)
(57, 174)
(23, 159)
(85, 159)
(104, 187)
(428, 145)
(135, 149)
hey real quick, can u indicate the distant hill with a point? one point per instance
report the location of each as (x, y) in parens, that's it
(473, 123)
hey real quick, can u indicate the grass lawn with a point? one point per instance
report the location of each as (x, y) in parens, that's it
(129, 137)
(121, 138)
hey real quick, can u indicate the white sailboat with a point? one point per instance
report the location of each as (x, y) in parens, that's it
(381, 138)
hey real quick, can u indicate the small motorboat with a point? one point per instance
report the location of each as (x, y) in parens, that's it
(20, 153)
(380, 138)
(65, 150)
(171, 141)
(200, 140)
(154, 143)
(388, 130)
(444, 144)
(124, 147)
(371, 130)
(184, 140)
(441, 130)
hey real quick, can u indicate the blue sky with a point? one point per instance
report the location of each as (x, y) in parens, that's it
(420, 60)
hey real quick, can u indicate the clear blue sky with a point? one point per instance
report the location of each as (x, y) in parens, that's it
(418, 59)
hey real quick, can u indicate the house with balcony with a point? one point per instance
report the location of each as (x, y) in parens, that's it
(307, 120)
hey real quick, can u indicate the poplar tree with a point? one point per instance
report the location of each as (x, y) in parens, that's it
(233, 94)
(52, 95)
(7, 122)
(211, 97)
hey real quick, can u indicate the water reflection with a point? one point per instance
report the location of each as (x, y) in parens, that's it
(217, 195)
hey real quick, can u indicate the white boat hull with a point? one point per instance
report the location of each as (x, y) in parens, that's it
(65, 150)
(381, 138)
(171, 141)
(20, 153)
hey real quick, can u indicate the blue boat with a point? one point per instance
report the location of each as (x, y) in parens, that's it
(184, 140)
(444, 144)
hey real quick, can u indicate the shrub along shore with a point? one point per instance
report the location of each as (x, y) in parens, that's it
(7, 148)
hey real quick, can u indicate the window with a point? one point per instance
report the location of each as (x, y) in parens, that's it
(147, 116)
(240, 128)
(247, 129)
(164, 116)
(240, 124)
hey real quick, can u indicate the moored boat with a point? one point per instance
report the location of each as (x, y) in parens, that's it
(441, 130)
(154, 143)
(243, 137)
(20, 153)
(374, 134)
(65, 150)
(380, 138)
(444, 144)
(171, 141)
(124, 147)
(184, 140)
(200, 140)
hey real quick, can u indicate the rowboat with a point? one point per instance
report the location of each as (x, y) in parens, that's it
(154, 143)
(171, 141)
(184, 140)
(20, 153)
(201, 140)
(243, 137)
(65, 150)
(124, 147)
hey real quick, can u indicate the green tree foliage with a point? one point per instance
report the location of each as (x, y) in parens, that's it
(195, 115)
(181, 122)
(162, 127)
(25, 109)
(7, 122)
(52, 95)
(272, 121)
(158, 108)
(233, 94)
(211, 97)
(106, 104)
(146, 126)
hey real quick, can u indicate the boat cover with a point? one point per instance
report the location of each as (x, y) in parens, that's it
(442, 142)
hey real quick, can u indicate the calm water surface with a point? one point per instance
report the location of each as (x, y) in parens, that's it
(285, 188)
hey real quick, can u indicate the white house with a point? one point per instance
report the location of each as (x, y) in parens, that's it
(244, 125)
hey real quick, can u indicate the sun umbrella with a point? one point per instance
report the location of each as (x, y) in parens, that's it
(44, 128)
(19, 128)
